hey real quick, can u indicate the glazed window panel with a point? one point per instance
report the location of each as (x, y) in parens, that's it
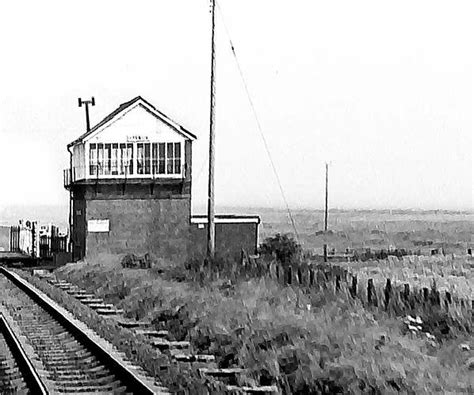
(93, 160)
(100, 156)
(130, 159)
(140, 158)
(122, 158)
(177, 158)
(169, 158)
(147, 158)
(114, 163)
(161, 158)
(154, 158)
(107, 158)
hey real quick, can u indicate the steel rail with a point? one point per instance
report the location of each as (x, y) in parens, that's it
(129, 378)
(29, 372)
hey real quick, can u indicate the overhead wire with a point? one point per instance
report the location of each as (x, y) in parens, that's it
(257, 120)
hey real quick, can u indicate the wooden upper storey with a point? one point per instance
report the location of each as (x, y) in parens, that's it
(134, 142)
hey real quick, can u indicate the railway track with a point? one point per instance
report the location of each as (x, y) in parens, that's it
(73, 363)
(17, 374)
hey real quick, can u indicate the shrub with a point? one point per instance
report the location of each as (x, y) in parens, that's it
(283, 247)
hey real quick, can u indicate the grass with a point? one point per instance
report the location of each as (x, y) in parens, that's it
(334, 345)
(136, 347)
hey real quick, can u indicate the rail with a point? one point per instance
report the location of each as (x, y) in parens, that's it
(130, 379)
(29, 372)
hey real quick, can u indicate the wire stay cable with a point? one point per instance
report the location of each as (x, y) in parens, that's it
(257, 120)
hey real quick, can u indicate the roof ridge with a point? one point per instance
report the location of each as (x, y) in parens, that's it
(175, 125)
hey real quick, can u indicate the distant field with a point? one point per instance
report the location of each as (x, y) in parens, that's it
(423, 231)
(377, 229)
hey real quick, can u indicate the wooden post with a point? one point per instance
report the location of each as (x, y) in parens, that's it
(326, 217)
(435, 297)
(353, 290)
(425, 294)
(211, 231)
(448, 297)
(406, 292)
(388, 293)
(370, 291)
(338, 282)
(311, 277)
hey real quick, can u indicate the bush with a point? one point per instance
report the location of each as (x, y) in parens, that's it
(283, 247)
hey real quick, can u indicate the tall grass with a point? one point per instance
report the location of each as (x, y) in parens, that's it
(317, 342)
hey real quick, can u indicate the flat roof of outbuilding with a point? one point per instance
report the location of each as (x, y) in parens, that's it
(226, 219)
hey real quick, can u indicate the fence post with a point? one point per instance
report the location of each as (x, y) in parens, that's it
(435, 297)
(388, 292)
(338, 282)
(299, 276)
(370, 292)
(406, 292)
(353, 290)
(288, 280)
(311, 277)
(448, 297)
(425, 294)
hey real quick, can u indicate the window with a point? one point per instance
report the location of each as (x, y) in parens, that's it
(122, 158)
(93, 159)
(110, 159)
(154, 158)
(113, 159)
(173, 158)
(147, 158)
(130, 159)
(107, 158)
(161, 158)
(140, 158)
(169, 158)
(177, 158)
(165, 158)
(114, 166)
(100, 156)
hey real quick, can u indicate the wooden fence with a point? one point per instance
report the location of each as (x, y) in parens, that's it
(391, 295)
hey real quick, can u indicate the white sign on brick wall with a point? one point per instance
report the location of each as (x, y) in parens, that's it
(98, 225)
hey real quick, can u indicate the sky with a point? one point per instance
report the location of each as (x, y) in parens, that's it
(383, 91)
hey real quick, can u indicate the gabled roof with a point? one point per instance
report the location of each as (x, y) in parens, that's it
(163, 117)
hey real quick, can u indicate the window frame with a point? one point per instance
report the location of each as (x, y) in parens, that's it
(138, 159)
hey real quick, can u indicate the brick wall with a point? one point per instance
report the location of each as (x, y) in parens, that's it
(156, 226)
(79, 221)
(231, 238)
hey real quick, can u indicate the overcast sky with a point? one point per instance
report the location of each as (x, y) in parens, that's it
(383, 90)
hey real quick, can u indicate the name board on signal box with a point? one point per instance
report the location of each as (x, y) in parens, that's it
(98, 225)
(136, 138)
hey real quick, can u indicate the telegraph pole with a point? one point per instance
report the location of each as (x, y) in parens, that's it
(211, 232)
(326, 216)
(86, 104)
